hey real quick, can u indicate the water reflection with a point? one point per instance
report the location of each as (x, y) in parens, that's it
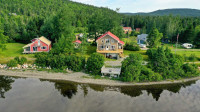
(25, 95)
(68, 89)
(5, 85)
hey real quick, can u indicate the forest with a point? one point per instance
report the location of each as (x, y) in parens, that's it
(60, 20)
(23, 20)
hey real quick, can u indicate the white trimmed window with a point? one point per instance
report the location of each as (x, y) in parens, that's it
(112, 47)
(112, 41)
(107, 40)
(43, 47)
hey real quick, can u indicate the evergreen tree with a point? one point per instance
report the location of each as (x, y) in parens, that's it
(3, 39)
(154, 38)
(64, 45)
(188, 35)
(197, 40)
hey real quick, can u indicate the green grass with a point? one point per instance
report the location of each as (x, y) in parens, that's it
(130, 39)
(13, 50)
(142, 52)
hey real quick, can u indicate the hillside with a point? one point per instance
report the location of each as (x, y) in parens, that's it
(175, 12)
(24, 20)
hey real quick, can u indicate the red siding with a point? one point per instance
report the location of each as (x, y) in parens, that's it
(42, 44)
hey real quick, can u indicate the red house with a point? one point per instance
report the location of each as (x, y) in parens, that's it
(77, 43)
(41, 44)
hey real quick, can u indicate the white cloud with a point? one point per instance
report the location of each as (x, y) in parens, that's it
(142, 5)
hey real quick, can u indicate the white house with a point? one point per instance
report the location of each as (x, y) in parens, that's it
(112, 72)
(141, 39)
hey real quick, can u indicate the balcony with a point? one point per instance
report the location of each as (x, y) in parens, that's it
(110, 51)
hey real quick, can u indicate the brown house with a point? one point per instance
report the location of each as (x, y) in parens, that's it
(127, 29)
(110, 45)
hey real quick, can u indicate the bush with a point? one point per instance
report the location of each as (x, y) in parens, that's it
(132, 47)
(22, 60)
(77, 63)
(12, 63)
(94, 64)
(42, 59)
(190, 70)
(17, 59)
(192, 57)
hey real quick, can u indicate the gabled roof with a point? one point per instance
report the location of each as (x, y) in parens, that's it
(45, 40)
(77, 41)
(142, 36)
(28, 45)
(127, 28)
(113, 36)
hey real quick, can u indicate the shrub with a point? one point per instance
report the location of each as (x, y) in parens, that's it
(22, 60)
(76, 63)
(94, 63)
(132, 47)
(17, 59)
(42, 59)
(192, 57)
(12, 63)
(190, 70)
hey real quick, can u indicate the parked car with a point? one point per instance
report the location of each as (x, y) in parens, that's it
(142, 45)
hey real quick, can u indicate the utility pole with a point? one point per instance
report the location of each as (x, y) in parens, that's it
(177, 43)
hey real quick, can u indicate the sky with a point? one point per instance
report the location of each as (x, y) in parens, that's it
(134, 6)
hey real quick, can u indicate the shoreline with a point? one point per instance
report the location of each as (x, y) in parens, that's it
(78, 77)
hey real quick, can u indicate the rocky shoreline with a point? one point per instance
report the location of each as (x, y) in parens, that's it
(80, 77)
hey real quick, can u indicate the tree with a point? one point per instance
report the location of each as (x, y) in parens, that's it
(94, 64)
(84, 45)
(119, 32)
(3, 40)
(58, 25)
(131, 67)
(154, 38)
(64, 45)
(197, 40)
(5, 85)
(188, 35)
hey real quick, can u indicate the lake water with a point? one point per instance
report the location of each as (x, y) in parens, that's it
(35, 95)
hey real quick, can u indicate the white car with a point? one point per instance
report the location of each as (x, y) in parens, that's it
(143, 45)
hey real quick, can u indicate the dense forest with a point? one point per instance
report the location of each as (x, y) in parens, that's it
(23, 20)
(175, 12)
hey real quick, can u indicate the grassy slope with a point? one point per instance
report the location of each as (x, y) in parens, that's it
(13, 50)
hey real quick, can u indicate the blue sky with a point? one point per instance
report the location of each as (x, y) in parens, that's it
(143, 5)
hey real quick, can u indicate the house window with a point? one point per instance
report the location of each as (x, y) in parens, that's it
(38, 42)
(44, 47)
(113, 47)
(102, 41)
(107, 40)
(112, 41)
(101, 47)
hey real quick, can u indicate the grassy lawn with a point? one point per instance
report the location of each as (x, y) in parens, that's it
(130, 39)
(182, 51)
(142, 52)
(13, 50)
(188, 52)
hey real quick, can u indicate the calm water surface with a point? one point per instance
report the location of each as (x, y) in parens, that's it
(34, 95)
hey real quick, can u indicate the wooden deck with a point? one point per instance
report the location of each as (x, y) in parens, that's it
(110, 51)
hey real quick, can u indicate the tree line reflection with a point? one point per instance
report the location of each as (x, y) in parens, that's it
(69, 89)
(5, 85)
